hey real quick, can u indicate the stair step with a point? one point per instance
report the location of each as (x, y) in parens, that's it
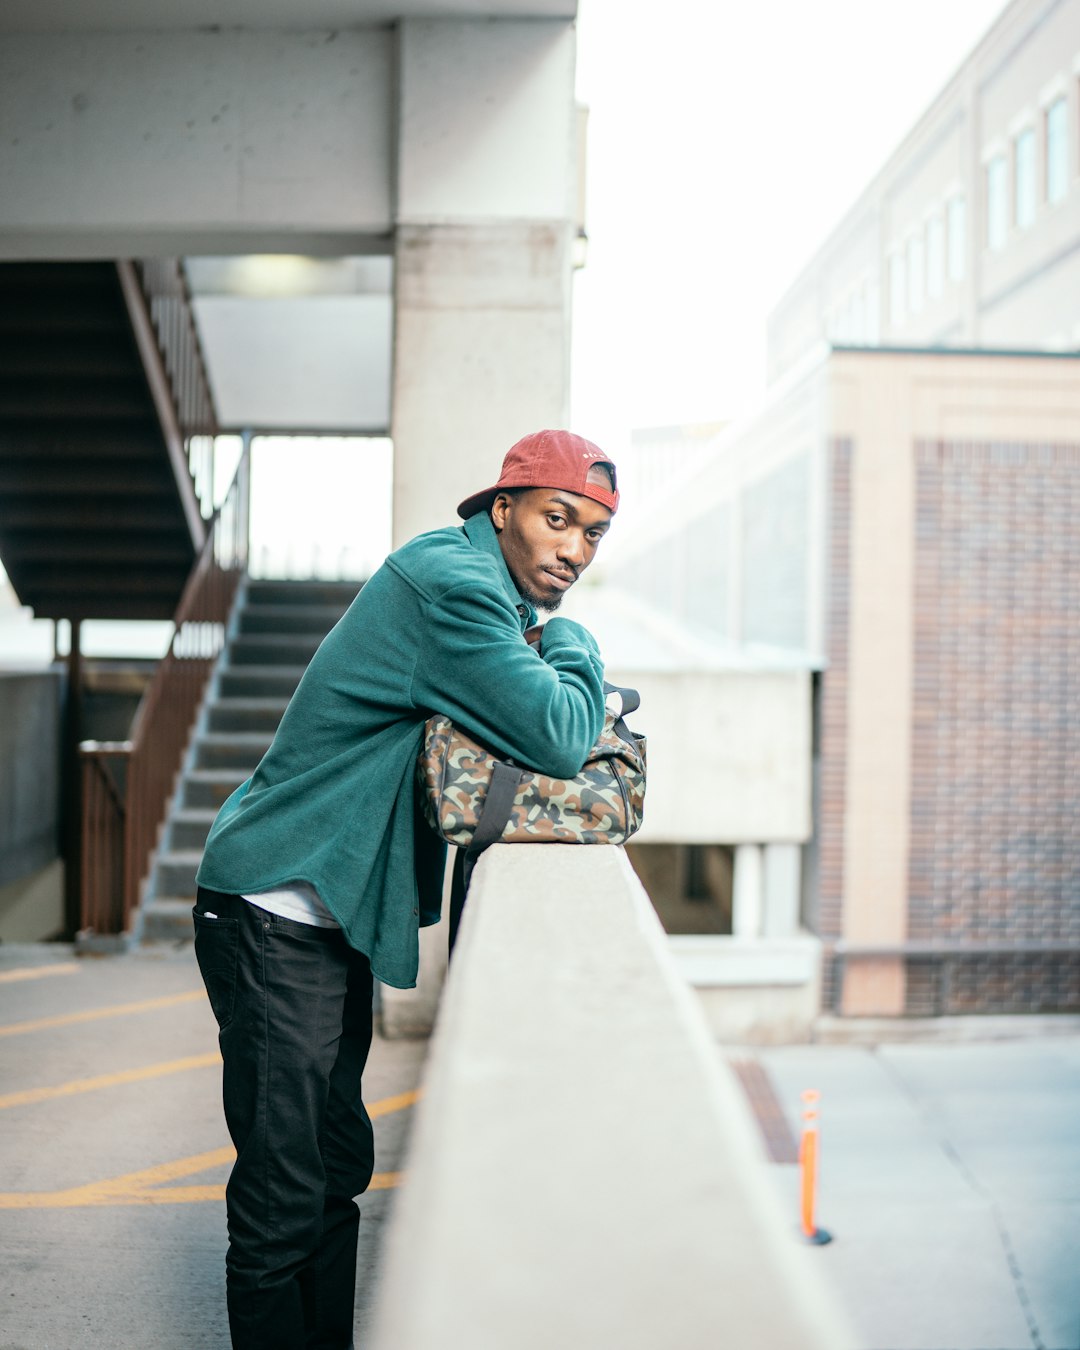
(158, 578)
(174, 873)
(56, 512)
(168, 919)
(39, 354)
(231, 750)
(210, 787)
(283, 619)
(72, 438)
(38, 475)
(260, 650)
(189, 827)
(89, 548)
(62, 314)
(316, 592)
(46, 397)
(34, 280)
(246, 714)
(256, 682)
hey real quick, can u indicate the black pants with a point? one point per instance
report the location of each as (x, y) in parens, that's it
(293, 1005)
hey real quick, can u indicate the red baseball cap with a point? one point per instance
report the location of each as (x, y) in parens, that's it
(552, 459)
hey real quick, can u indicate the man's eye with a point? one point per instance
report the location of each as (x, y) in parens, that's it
(557, 521)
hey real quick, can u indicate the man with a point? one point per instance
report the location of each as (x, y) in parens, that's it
(319, 870)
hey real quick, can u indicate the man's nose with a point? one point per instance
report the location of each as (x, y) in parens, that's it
(572, 548)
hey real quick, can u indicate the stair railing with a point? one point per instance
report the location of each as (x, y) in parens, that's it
(127, 784)
(165, 286)
(159, 306)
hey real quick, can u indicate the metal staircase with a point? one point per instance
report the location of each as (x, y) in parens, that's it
(99, 513)
(276, 627)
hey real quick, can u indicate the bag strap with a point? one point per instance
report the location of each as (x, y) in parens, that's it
(495, 812)
(631, 701)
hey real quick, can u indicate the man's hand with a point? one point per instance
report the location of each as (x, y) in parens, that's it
(534, 634)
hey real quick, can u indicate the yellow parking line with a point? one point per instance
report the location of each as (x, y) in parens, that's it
(388, 1104)
(137, 1188)
(38, 972)
(95, 1014)
(105, 1080)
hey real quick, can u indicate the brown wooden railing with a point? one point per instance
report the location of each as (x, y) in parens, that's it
(127, 785)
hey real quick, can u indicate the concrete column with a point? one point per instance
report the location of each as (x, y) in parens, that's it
(748, 891)
(781, 890)
(481, 356)
(486, 199)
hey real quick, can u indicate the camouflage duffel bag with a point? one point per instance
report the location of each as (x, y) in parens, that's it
(473, 798)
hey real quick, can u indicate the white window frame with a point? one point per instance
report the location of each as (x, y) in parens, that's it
(956, 274)
(1053, 95)
(897, 274)
(915, 252)
(1022, 128)
(997, 153)
(935, 218)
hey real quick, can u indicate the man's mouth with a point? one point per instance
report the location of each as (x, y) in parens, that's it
(560, 578)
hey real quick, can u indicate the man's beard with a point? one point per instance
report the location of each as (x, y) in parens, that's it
(548, 603)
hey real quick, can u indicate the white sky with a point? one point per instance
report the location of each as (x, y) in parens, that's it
(725, 142)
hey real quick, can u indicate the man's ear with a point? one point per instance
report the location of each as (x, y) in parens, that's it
(499, 508)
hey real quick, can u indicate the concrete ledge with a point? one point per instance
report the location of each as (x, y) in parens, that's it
(832, 1030)
(584, 1171)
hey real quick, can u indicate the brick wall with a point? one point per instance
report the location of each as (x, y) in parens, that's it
(833, 712)
(995, 825)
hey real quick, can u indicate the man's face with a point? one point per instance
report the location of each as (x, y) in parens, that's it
(548, 537)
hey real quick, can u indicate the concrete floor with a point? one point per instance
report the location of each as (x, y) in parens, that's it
(114, 1153)
(950, 1180)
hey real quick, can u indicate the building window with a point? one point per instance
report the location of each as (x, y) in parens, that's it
(897, 289)
(935, 257)
(1024, 179)
(1057, 151)
(997, 203)
(956, 241)
(858, 317)
(915, 273)
(873, 312)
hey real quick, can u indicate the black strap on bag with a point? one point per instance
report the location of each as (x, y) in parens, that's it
(505, 780)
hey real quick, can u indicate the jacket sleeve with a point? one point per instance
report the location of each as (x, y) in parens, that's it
(543, 712)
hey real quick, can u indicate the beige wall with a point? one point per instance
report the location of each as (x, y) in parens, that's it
(885, 404)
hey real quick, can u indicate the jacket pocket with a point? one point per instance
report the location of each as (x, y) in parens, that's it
(216, 947)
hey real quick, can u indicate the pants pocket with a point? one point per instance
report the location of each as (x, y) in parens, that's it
(216, 947)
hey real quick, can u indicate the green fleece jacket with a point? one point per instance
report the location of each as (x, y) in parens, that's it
(438, 628)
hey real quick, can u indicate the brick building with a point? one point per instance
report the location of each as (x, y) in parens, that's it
(900, 517)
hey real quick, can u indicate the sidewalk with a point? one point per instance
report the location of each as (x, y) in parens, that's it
(950, 1179)
(115, 1154)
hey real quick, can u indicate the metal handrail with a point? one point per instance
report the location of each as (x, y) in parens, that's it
(159, 299)
(121, 825)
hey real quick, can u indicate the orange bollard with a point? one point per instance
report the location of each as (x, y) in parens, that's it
(808, 1165)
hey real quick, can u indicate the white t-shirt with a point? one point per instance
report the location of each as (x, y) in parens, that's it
(300, 901)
